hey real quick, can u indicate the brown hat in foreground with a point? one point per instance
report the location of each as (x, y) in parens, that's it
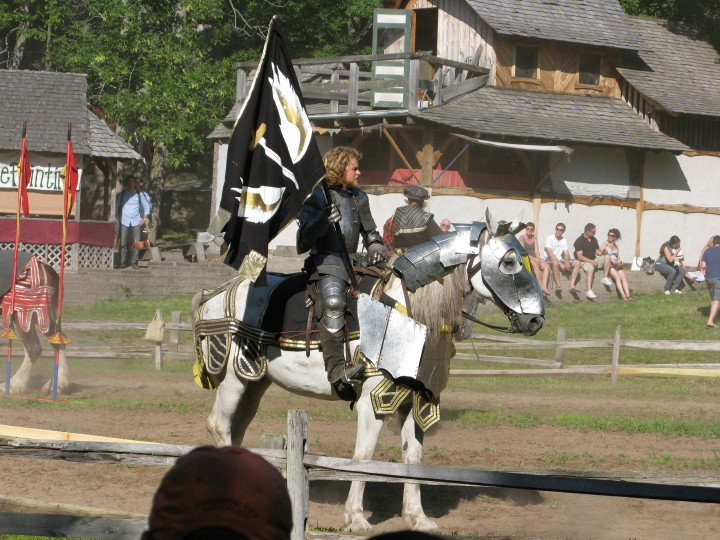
(229, 488)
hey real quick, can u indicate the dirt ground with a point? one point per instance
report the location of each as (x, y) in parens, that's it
(487, 512)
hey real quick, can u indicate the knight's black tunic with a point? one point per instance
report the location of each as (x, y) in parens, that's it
(411, 225)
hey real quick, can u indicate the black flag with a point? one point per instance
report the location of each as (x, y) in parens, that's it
(273, 161)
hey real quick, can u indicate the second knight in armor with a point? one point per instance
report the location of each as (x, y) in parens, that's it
(329, 279)
(410, 225)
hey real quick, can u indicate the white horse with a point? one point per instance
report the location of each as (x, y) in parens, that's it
(510, 284)
(35, 312)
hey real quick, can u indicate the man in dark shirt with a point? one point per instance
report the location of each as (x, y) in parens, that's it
(711, 264)
(410, 225)
(586, 251)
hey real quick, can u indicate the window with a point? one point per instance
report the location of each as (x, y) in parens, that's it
(589, 69)
(526, 62)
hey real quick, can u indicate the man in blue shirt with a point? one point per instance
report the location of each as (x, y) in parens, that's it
(711, 264)
(132, 211)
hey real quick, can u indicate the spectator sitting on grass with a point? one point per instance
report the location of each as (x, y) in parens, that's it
(586, 257)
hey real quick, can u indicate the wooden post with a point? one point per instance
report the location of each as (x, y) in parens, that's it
(273, 442)
(240, 85)
(413, 86)
(334, 103)
(297, 481)
(428, 157)
(174, 340)
(353, 89)
(615, 356)
(158, 346)
(200, 252)
(560, 350)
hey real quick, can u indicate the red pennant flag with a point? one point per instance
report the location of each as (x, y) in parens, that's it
(70, 179)
(24, 174)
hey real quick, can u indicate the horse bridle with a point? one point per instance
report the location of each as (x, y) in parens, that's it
(512, 316)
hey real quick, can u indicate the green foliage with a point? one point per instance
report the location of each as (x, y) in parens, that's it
(702, 15)
(162, 70)
(645, 318)
(667, 427)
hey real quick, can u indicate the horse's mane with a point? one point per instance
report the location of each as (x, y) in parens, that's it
(440, 302)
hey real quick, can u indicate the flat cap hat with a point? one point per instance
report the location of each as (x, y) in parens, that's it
(416, 192)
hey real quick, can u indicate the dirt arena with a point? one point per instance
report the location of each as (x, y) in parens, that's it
(170, 408)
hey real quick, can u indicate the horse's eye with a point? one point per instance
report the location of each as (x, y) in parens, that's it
(510, 263)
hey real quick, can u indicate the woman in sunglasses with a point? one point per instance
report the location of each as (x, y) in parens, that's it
(613, 265)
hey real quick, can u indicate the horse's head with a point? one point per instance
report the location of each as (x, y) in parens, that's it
(499, 269)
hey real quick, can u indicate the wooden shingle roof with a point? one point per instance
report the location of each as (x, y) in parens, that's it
(589, 22)
(48, 101)
(680, 71)
(104, 142)
(495, 111)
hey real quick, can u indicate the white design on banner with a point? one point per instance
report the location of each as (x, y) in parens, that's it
(259, 205)
(277, 159)
(294, 123)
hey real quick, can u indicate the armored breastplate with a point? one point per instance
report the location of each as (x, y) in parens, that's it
(349, 225)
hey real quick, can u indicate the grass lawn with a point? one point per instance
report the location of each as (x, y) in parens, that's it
(650, 317)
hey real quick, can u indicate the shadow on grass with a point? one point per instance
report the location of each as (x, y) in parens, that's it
(384, 501)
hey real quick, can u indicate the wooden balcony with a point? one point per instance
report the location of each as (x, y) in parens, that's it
(335, 87)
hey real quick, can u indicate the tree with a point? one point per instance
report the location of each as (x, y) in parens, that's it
(162, 70)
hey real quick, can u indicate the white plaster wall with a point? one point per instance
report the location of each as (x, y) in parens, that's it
(592, 171)
(682, 179)
(576, 216)
(694, 230)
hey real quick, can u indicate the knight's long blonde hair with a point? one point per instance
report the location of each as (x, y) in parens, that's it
(336, 160)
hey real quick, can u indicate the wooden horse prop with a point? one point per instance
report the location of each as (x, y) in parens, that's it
(241, 353)
(35, 311)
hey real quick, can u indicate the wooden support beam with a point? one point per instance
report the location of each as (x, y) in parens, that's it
(428, 153)
(401, 155)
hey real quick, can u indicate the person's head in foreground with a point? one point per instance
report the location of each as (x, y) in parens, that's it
(225, 493)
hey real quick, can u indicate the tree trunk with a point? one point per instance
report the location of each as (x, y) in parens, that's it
(18, 51)
(158, 174)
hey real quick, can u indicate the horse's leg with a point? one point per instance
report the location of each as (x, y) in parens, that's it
(412, 443)
(31, 343)
(235, 406)
(368, 432)
(63, 384)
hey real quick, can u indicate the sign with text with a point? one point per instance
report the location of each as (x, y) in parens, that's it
(46, 171)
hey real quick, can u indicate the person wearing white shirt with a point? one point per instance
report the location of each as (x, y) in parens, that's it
(557, 254)
(132, 210)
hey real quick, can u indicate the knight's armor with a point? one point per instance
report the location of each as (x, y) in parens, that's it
(329, 277)
(411, 225)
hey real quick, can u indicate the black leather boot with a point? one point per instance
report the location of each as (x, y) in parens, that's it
(334, 356)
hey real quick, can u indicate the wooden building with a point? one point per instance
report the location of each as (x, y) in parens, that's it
(47, 102)
(562, 110)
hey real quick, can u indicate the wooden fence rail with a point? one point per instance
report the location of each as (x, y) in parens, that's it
(490, 342)
(562, 343)
(300, 468)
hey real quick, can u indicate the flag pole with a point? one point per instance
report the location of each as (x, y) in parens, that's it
(58, 339)
(9, 332)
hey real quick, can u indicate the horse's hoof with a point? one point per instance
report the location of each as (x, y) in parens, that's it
(422, 524)
(358, 524)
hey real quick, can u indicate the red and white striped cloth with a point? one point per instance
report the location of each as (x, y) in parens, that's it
(34, 291)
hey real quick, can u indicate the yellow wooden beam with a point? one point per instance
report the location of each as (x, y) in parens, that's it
(33, 433)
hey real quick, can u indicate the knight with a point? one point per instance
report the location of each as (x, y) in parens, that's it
(327, 269)
(410, 225)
